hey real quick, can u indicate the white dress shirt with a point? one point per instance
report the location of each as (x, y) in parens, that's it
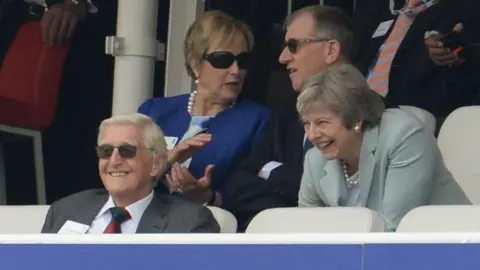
(104, 217)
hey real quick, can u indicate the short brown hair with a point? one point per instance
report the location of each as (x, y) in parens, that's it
(213, 27)
(331, 23)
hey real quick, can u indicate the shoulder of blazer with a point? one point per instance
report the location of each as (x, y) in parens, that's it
(156, 107)
(86, 195)
(252, 110)
(397, 125)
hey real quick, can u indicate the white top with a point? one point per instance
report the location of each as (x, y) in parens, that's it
(353, 191)
(104, 217)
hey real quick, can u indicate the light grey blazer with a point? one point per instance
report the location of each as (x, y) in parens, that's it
(400, 167)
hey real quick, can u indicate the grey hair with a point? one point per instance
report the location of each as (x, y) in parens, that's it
(344, 90)
(154, 140)
(331, 23)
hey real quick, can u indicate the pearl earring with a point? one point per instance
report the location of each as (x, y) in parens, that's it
(356, 129)
(196, 81)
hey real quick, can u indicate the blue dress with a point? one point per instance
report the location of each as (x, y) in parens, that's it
(234, 132)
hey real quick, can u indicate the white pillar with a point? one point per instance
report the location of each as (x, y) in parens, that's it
(135, 51)
(182, 14)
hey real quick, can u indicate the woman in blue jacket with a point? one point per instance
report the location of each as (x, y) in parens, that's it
(217, 50)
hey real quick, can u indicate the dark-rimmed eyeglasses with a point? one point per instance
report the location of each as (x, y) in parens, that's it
(293, 44)
(224, 60)
(126, 151)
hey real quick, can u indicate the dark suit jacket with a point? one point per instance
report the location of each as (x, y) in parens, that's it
(165, 214)
(414, 79)
(249, 194)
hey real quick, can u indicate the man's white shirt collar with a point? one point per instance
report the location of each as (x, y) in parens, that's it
(135, 209)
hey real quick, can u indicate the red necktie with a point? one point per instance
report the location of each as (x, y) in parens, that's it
(119, 216)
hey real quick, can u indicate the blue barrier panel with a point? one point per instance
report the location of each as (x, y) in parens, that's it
(180, 257)
(422, 256)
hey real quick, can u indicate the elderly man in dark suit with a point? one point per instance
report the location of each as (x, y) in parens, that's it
(132, 155)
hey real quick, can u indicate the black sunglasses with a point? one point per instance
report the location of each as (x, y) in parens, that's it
(224, 60)
(126, 151)
(293, 44)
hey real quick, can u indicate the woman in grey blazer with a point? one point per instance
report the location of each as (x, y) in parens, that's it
(366, 155)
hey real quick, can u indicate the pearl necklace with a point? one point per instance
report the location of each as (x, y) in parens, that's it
(349, 181)
(191, 101)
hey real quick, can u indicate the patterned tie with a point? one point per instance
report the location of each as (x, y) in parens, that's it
(378, 78)
(119, 216)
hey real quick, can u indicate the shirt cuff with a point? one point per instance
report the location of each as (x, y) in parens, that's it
(91, 7)
(269, 167)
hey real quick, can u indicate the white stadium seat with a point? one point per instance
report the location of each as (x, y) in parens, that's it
(317, 220)
(442, 218)
(22, 219)
(424, 116)
(226, 220)
(459, 142)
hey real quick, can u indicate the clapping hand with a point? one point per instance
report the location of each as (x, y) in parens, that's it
(181, 180)
(188, 148)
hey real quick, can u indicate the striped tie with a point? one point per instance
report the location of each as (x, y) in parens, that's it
(119, 216)
(378, 78)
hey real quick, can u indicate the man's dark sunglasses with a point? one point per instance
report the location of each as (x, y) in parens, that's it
(293, 44)
(126, 151)
(224, 60)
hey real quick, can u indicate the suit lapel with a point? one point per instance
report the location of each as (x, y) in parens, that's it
(153, 219)
(333, 184)
(88, 215)
(367, 163)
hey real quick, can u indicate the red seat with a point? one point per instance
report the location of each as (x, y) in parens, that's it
(30, 79)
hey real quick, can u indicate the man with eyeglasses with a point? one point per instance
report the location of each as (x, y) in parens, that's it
(316, 37)
(132, 154)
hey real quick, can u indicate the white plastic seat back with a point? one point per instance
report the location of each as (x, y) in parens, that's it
(459, 142)
(317, 220)
(424, 116)
(442, 218)
(22, 219)
(226, 220)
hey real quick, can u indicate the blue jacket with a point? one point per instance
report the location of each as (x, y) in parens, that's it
(234, 132)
